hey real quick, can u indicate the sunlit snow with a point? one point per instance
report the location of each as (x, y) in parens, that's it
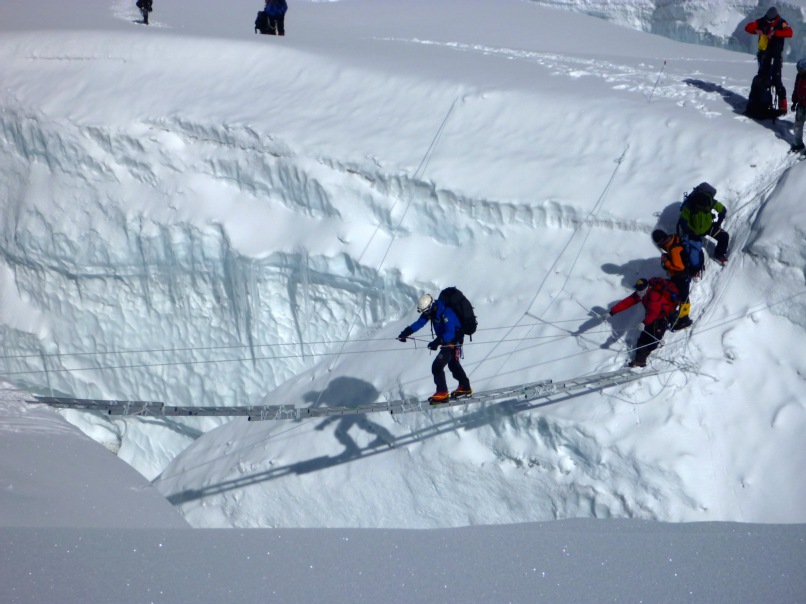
(199, 215)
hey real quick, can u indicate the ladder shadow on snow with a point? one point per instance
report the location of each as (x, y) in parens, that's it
(738, 104)
(468, 421)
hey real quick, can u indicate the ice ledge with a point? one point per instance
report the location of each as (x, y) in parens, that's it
(704, 22)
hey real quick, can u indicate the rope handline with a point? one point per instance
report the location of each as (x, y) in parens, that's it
(239, 359)
(594, 210)
(702, 328)
(656, 82)
(592, 214)
(227, 360)
(99, 353)
(418, 173)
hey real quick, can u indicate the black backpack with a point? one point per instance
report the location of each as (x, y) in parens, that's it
(262, 23)
(761, 104)
(461, 306)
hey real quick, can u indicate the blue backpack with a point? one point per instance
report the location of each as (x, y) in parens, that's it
(693, 254)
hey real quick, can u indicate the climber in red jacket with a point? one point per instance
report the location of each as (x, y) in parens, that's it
(772, 30)
(660, 299)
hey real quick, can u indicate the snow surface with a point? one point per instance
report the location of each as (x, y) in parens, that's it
(199, 215)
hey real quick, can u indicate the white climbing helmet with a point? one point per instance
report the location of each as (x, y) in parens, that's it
(425, 302)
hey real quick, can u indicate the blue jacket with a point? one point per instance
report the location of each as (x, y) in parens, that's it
(446, 323)
(276, 8)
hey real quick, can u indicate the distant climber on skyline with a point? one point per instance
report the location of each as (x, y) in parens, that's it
(145, 6)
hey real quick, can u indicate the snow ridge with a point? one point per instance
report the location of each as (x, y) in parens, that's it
(705, 22)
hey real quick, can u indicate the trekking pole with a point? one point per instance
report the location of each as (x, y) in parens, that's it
(656, 81)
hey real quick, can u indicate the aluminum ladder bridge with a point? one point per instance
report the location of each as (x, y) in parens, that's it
(523, 393)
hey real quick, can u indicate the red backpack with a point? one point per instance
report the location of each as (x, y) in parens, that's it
(670, 296)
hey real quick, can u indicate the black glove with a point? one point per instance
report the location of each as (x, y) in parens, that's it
(405, 334)
(657, 327)
(435, 343)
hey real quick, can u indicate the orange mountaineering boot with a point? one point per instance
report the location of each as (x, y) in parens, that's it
(462, 392)
(438, 397)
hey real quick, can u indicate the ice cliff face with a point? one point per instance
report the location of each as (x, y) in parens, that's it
(710, 23)
(137, 298)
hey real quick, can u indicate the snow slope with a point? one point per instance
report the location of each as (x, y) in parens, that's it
(565, 561)
(50, 475)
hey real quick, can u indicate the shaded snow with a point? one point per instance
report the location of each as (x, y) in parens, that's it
(570, 561)
(53, 476)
